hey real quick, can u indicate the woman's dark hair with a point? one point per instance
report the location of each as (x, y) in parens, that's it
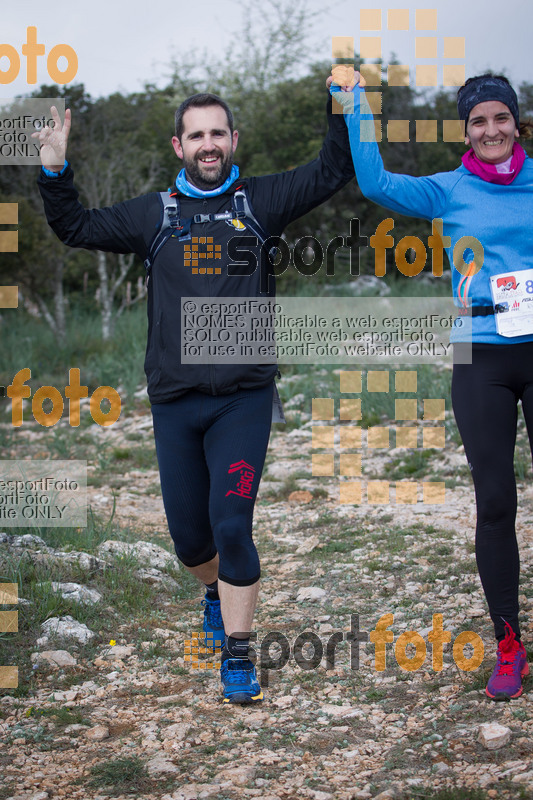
(201, 101)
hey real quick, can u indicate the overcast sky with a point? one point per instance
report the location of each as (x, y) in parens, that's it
(122, 43)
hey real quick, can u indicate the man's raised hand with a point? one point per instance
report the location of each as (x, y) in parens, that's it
(53, 141)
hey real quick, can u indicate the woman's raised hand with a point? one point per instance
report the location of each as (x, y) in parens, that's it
(346, 77)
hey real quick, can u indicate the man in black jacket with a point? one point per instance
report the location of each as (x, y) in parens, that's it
(211, 421)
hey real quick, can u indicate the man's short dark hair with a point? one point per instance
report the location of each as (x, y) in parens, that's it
(201, 101)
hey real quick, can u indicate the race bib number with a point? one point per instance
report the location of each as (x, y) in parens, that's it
(512, 296)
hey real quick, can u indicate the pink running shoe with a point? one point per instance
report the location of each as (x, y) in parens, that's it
(511, 666)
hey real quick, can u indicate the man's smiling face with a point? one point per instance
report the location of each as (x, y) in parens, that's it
(206, 147)
(491, 131)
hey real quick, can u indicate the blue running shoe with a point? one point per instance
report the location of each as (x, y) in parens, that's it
(213, 625)
(239, 681)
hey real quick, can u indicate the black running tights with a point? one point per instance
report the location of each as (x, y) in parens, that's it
(485, 395)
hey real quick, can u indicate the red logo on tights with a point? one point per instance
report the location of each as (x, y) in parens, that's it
(246, 476)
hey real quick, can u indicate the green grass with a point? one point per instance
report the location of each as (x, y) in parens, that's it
(129, 458)
(286, 488)
(522, 464)
(61, 716)
(84, 539)
(375, 695)
(334, 546)
(455, 793)
(412, 464)
(117, 363)
(121, 590)
(37, 735)
(328, 518)
(157, 649)
(127, 774)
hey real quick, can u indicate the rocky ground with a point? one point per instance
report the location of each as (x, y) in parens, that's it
(136, 718)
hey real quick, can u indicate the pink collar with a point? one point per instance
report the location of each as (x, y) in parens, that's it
(488, 172)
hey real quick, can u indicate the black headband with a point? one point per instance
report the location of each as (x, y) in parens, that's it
(487, 88)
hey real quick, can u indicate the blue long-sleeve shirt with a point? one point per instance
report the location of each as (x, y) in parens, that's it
(499, 216)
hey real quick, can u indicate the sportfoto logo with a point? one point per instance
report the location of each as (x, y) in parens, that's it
(308, 649)
(308, 255)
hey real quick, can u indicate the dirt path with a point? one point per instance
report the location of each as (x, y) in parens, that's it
(343, 730)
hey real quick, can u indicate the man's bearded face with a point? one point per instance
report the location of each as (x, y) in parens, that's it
(206, 146)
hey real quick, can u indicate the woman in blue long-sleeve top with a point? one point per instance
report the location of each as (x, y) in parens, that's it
(489, 197)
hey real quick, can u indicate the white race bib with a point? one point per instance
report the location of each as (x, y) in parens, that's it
(512, 297)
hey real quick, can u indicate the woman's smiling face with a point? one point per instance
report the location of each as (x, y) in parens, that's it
(491, 131)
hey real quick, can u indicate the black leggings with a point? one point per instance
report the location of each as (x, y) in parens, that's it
(484, 398)
(211, 451)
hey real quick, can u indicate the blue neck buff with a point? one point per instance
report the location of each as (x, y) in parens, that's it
(192, 191)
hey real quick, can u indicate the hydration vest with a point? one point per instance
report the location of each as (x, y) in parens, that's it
(173, 226)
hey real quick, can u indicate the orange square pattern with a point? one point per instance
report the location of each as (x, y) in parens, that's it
(191, 254)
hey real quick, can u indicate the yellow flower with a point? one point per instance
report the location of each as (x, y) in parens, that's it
(112, 643)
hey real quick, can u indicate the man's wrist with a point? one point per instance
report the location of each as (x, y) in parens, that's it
(52, 173)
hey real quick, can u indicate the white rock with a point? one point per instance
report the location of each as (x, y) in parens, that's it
(88, 686)
(85, 561)
(492, 735)
(164, 633)
(310, 593)
(178, 731)
(194, 791)
(169, 698)
(146, 552)
(159, 765)
(157, 578)
(40, 796)
(54, 658)
(28, 540)
(281, 470)
(333, 710)
(239, 776)
(365, 282)
(295, 400)
(117, 652)
(284, 702)
(279, 599)
(98, 733)
(299, 433)
(525, 777)
(64, 627)
(76, 592)
(309, 545)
